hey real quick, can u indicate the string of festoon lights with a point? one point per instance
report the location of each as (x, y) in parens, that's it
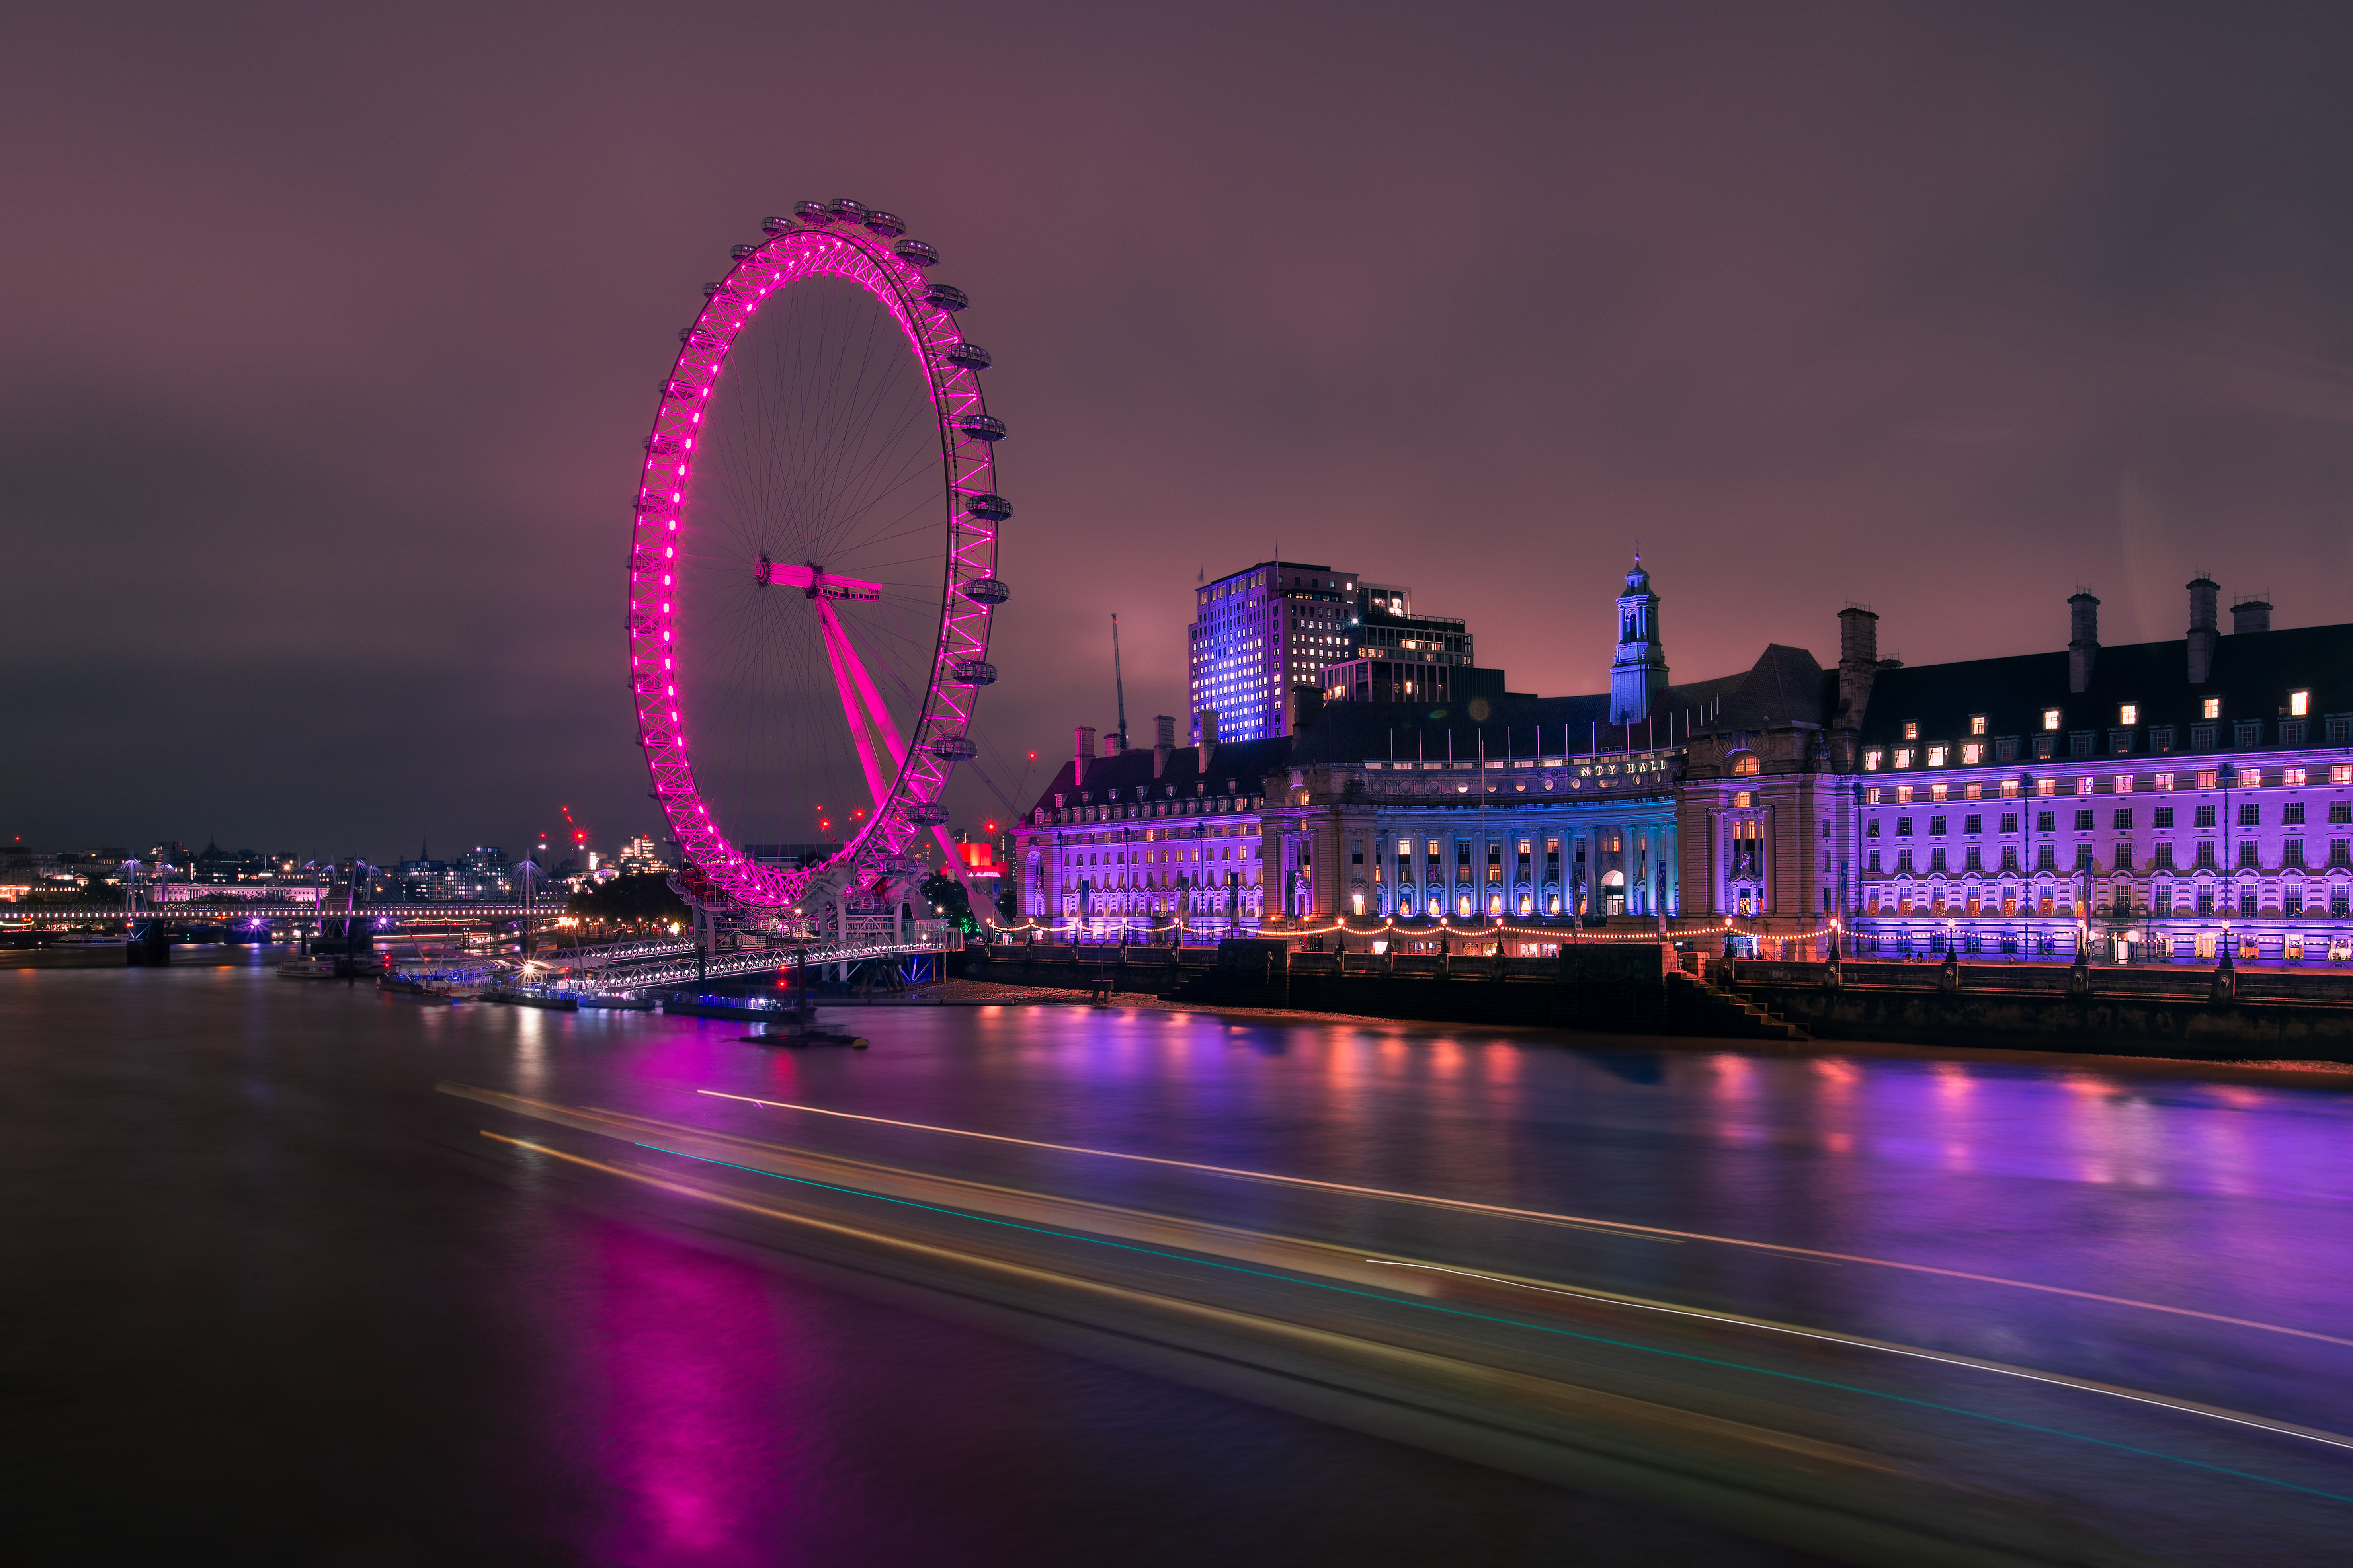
(1447, 926)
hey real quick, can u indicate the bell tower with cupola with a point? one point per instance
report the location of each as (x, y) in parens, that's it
(1637, 675)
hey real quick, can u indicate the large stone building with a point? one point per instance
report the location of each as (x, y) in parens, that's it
(2155, 801)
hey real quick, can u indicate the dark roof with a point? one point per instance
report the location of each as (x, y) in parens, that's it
(1784, 686)
(1245, 761)
(2252, 674)
(1513, 726)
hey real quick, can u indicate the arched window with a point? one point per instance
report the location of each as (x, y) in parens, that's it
(1744, 764)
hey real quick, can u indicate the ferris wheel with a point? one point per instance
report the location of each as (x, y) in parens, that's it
(813, 571)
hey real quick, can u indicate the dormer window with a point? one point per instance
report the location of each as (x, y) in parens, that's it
(1873, 759)
(1937, 757)
(2299, 703)
(1903, 756)
(2050, 717)
(1744, 764)
(2129, 713)
(1971, 752)
(1976, 723)
(2211, 709)
(1911, 730)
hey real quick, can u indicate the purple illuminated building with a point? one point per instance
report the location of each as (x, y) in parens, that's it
(2161, 802)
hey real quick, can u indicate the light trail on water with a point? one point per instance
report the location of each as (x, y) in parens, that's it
(1390, 1300)
(1584, 1222)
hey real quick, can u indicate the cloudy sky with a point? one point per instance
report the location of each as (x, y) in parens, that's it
(331, 335)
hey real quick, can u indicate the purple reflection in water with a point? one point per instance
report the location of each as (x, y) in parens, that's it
(691, 1427)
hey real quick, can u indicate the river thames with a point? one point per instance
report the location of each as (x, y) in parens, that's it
(296, 1272)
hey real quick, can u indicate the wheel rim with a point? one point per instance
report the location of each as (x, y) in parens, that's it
(710, 494)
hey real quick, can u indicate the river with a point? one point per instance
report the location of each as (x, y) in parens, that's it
(298, 1272)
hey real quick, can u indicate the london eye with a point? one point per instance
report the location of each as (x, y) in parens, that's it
(813, 569)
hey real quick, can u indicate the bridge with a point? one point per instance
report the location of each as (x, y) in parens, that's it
(245, 910)
(757, 961)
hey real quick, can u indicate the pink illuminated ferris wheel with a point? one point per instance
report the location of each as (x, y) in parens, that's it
(813, 571)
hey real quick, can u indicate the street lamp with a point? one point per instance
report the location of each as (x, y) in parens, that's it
(2025, 855)
(2227, 775)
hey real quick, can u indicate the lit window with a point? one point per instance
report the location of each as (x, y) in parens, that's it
(2294, 778)
(2211, 709)
(1903, 795)
(2050, 717)
(1974, 792)
(1936, 791)
(2123, 784)
(2340, 774)
(1976, 723)
(1972, 754)
(2046, 786)
(1937, 758)
(1903, 756)
(2299, 703)
(1912, 729)
(2128, 714)
(1871, 797)
(1743, 799)
(2009, 787)
(1871, 760)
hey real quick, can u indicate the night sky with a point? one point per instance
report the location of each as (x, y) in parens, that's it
(330, 343)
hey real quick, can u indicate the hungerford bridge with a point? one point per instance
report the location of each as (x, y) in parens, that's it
(630, 965)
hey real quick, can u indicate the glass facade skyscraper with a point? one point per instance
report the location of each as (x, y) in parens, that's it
(1259, 632)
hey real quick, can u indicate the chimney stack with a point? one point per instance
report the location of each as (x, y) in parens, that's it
(2252, 613)
(2205, 595)
(2082, 639)
(1206, 720)
(1164, 741)
(1858, 663)
(1085, 738)
(1114, 744)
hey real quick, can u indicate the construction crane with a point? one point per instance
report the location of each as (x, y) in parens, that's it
(1119, 688)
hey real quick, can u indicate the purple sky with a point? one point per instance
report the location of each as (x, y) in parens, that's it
(330, 343)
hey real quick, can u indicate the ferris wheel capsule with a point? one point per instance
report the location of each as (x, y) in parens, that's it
(886, 224)
(976, 673)
(842, 206)
(972, 356)
(987, 591)
(981, 428)
(947, 297)
(811, 212)
(954, 748)
(989, 508)
(773, 226)
(915, 252)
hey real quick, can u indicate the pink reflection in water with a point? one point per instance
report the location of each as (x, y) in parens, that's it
(687, 1429)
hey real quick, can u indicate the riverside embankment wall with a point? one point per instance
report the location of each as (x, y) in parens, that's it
(1637, 988)
(2167, 1012)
